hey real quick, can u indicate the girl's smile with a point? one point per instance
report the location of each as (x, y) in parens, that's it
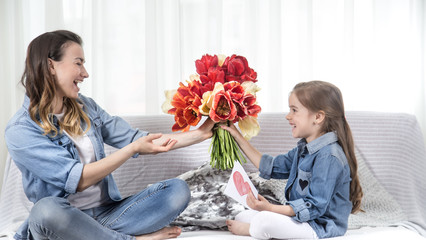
(302, 121)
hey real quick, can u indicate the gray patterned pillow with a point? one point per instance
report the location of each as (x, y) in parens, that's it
(209, 207)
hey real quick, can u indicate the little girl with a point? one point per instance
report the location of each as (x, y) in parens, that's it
(323, 187)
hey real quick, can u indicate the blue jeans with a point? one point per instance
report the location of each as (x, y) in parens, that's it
(148, 211)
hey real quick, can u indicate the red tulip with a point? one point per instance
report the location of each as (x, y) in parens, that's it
(203, 65)
(222, 108)
(238, 69)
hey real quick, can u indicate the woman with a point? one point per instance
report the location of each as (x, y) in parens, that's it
(56, 139)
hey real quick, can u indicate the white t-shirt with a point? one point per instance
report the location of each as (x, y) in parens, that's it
(95, 195)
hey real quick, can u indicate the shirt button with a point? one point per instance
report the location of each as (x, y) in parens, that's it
(60, 142)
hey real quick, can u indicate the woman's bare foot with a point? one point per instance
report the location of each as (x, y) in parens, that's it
(238, 228)
(165, 233)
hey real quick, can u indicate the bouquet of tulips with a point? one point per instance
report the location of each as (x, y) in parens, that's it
(223, 89)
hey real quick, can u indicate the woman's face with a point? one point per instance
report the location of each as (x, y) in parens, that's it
(70, 71)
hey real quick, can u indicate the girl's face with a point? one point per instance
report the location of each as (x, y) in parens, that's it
(302, 121)
(70, 71)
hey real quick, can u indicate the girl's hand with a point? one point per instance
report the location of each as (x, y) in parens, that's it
(145, 145)
(251, 152)
(231, 129)
(260, 204)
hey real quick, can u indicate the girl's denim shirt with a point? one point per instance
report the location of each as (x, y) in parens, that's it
(318, 183)
(50, 165)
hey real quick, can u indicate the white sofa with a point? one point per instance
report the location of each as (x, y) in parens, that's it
(390, 148)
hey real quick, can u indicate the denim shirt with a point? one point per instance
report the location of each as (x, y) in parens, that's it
(50, 165)
(318, 183)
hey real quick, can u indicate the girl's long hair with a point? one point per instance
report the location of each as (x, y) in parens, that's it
(323, 96)
(40, 84)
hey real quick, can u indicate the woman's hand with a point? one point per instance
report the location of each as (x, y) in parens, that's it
(146, 145)
(180, 139)
(206, 128)
(260, 204)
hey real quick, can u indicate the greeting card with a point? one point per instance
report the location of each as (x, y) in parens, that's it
(239, 185)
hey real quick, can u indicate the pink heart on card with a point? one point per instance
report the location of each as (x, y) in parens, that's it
(243, 188)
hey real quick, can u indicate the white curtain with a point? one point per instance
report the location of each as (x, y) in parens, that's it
(373, 50)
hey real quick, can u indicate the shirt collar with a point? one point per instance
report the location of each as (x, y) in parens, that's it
(318, 143)
(26, 103)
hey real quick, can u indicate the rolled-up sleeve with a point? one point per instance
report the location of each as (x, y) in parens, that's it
(301, 209)
(74, 178)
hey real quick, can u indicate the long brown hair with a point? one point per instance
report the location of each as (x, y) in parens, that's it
(323, 96)
(40, 85)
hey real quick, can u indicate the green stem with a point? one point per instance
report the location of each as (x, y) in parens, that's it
(224, 150)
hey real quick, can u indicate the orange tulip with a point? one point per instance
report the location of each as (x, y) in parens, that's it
(192, 115)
